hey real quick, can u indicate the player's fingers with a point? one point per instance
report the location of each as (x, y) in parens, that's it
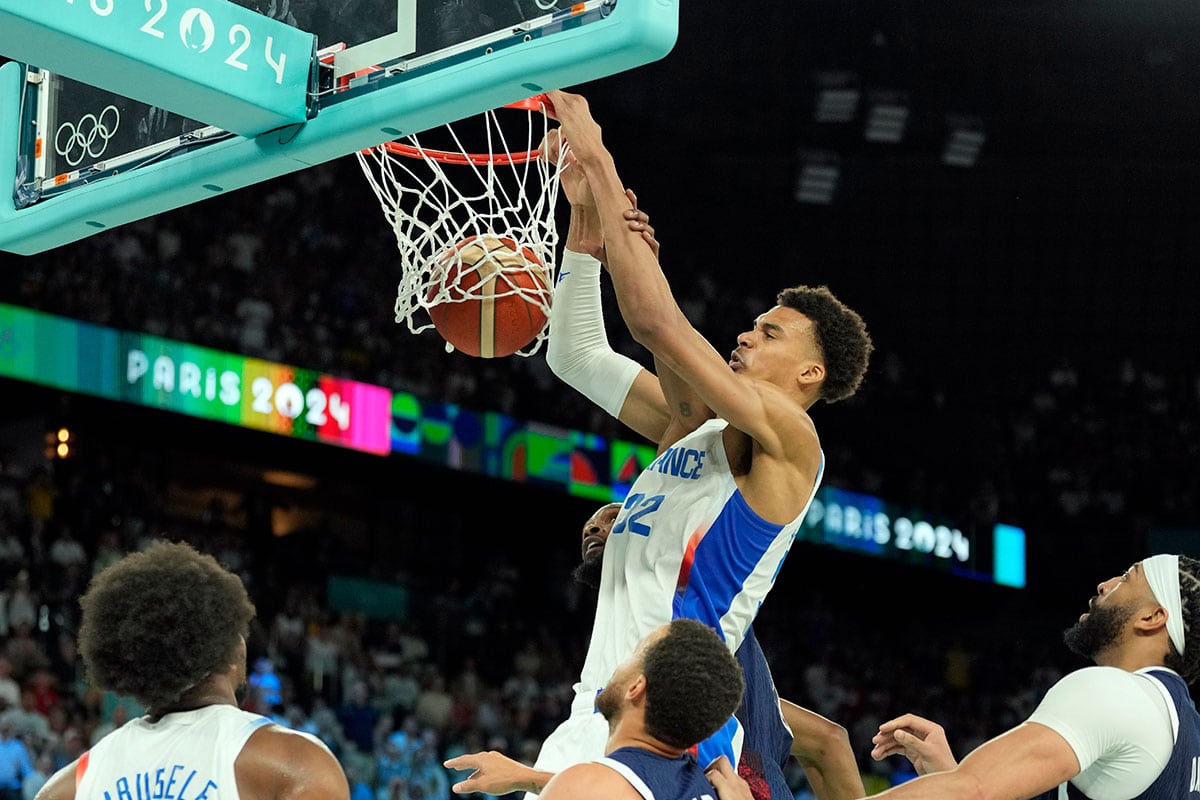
(920, 725)
(914, 745)
(632, 197)
(882, 751)
(720, 765)
(465, 761)
(726, 781)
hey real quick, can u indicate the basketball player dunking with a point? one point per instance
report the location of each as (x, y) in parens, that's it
(705, 528)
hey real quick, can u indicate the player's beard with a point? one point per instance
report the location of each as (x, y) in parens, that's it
(1098, 631)
(608, 703)
(588, 571)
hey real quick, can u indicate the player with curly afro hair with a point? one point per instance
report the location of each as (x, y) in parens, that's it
(160, 621)
(167, 626)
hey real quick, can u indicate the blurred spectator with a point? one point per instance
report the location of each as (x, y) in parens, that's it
(12, 552)
(358, 717)
(434, 704)
(15, 763)
(120, 716)
(266, 684)
(66, 551)
(22, 603)
(43, 768)
(109, 550)
(10, 690)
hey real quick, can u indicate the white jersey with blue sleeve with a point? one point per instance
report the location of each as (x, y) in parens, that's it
(685, 544)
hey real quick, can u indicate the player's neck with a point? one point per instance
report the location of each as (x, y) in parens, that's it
(212, 691)
(631, 732)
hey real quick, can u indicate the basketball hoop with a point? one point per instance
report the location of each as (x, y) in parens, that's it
(435, 198)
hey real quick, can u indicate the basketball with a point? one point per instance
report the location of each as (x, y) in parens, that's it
(491, 298)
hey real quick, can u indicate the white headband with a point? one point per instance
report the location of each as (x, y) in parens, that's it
(1162, 573)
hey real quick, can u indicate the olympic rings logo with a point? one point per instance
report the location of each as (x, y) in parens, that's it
(89, 137)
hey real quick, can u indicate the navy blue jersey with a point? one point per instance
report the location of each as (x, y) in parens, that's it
(1180, 778)
(767, 742)
(657, 777)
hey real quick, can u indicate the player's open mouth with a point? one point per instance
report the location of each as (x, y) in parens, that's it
(592, 543)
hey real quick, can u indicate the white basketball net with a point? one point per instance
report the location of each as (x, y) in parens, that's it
(435, 199)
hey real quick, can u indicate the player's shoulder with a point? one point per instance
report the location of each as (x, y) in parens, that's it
(1105, 690)
(587, 780)
(279, 762)
(275, 739)
(1098, 678)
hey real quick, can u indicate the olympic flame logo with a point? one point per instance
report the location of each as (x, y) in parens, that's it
(88, 137)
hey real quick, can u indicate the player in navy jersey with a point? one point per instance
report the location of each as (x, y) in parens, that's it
(678, 687)
(167, 626)
(1123, 729)
(705, 528)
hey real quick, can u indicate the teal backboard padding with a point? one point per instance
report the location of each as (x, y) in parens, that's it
(207, 59)
(634, 33)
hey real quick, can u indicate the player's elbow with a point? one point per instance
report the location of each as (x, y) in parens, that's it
(653, 327)
(821, 741)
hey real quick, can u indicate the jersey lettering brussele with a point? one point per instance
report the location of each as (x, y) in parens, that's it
(685, 544)
(187, 755)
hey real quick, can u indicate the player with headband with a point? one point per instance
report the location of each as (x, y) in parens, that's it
(1125, 728)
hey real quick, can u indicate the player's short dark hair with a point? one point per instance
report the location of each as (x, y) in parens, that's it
(841, 334)
(693, 684)
(1187, 663)
(159, 621)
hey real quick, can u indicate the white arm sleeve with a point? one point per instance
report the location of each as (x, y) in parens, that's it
(578, 351)
(1118, 724)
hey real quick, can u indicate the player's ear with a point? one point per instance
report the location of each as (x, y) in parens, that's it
(813, 373)
(636, 693)
(1152, 619)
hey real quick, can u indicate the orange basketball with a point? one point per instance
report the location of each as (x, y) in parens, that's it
(490, 298)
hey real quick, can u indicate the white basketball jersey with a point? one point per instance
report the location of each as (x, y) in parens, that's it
(685, 544)
(187, 755)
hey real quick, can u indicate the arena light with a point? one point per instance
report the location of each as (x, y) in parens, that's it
(837, 96)
(817, 177)
(887, 116)
(965, 136)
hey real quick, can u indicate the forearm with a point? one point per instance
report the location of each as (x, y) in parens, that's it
(584, 232)
(533, 782)
(643, 294)
(835, 779)
(952, 785)
(579, 352)
(822, 747)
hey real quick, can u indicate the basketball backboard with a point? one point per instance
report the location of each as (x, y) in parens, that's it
(82, 159)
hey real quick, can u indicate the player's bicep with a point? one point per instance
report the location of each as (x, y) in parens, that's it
(1046, 760)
